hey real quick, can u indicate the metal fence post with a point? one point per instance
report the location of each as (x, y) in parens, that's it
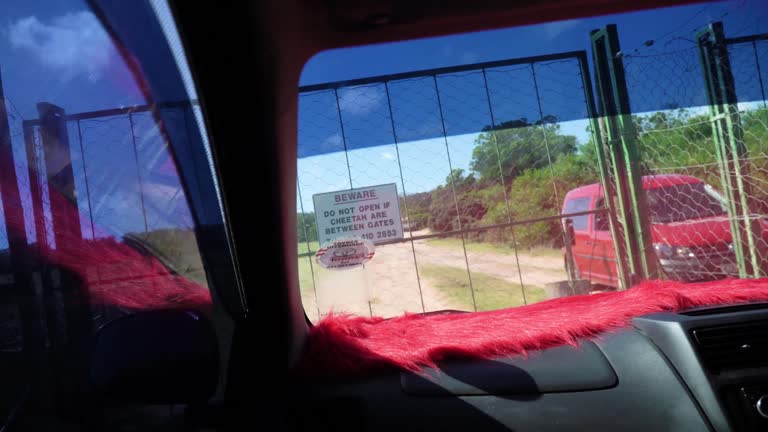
(729, 145)
(59, 173)
(501, 178)
(138, 171)
(609, 188)
(22, 260)
(455, 196)
(35, 188)
(402, 178)
(85, 179)
(67, 288)
(623, 155)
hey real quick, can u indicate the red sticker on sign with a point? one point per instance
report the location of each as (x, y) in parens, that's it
(346, 253)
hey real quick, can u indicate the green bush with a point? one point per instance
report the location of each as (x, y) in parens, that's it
(418, 209)
(534, 194)
(306, 227)
(674, 142)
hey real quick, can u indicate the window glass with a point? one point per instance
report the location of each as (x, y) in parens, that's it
(104, 183)
(577, 205)
(682, 202)
(432, 172)
(601, 219)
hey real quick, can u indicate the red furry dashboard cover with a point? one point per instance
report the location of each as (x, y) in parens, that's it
(134, 280)
(344, 345)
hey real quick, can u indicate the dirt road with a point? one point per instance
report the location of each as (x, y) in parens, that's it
(389, 285)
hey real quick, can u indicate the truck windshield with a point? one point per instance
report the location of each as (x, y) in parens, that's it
(682, 202)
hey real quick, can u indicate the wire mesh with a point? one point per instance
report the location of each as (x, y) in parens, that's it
(481, 154)
(685, 176)
(749, 62)
(474, 154)
(128, 192)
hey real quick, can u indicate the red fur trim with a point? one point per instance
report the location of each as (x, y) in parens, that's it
(113, 273)
(345, 345)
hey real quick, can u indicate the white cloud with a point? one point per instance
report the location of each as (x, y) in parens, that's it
(747, 106)
(361, 100)
(387, 156)
(554, 29)
(333, 140)
(72, 44)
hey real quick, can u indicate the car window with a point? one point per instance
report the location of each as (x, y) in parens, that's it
(431, 173)
(683, 202)
(602, 222)
(104, 185)
(576, 205)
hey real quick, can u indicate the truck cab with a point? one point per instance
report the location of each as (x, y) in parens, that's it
(690, 231)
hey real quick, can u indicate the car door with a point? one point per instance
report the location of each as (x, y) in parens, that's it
(583, 242)
(110, 217)
(602, 262)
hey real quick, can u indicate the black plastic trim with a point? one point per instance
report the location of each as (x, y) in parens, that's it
(561, 369)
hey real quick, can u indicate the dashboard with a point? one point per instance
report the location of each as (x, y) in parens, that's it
(721, 356)
(702, 369)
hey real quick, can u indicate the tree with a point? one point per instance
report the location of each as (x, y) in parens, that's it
(306, 227)
(533, 193)
(418, 205)
(518, 145)
(455, 208)
(676, 141)
(457, 179)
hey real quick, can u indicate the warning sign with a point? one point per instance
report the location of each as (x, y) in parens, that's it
(371, 213)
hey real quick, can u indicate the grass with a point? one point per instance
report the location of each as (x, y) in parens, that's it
(490, 292)
(305, 276)
(496, 248)
(306, 253)
(304, 250)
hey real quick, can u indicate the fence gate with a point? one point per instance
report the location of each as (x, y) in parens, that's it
(685, 130)
(622, 177)
(731, 153)
(474, 152)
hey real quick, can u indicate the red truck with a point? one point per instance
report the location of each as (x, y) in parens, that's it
(689, 228)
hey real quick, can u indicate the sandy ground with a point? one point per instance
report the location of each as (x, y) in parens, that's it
(389, 285)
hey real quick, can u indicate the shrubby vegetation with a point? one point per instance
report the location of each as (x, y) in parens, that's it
(512, 160)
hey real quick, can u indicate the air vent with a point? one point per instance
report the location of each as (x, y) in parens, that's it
(734, 346)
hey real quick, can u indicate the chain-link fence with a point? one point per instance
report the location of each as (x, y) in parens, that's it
(696, 120)
(671, 118)
(478, 154)
(504, 194)
(99, 194)
(748, 58)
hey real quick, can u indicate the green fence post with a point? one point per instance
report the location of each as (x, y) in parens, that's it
(731, 152)
(623, 156)
(609, 189)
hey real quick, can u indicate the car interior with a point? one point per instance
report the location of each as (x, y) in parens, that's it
(249, 352)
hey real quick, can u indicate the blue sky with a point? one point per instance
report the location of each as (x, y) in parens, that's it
(58, 52)
(662, 71)
(740, 18)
